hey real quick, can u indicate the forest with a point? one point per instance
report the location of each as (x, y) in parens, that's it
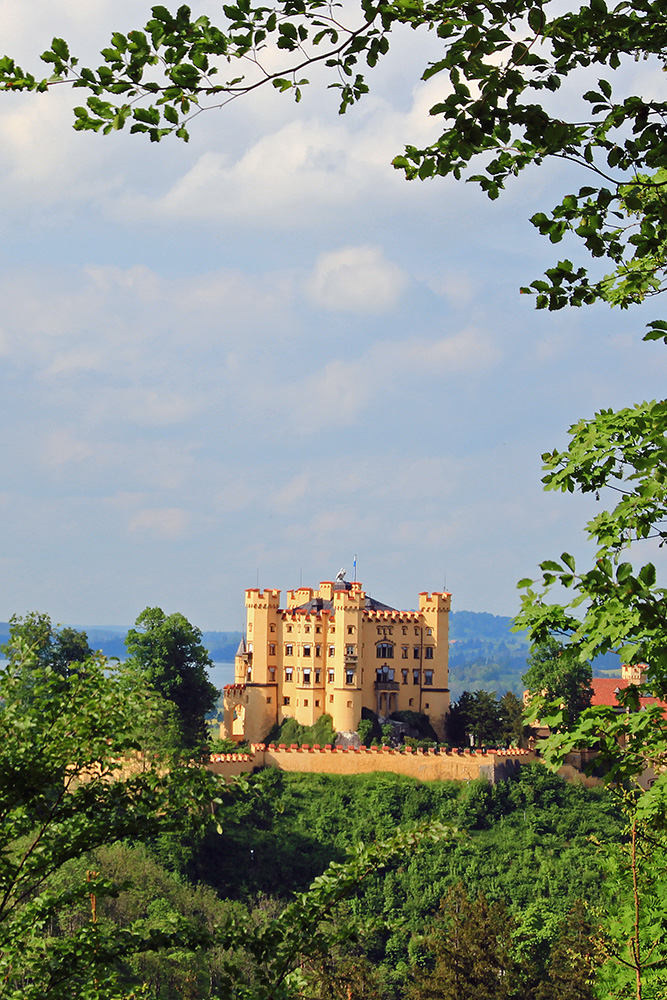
(129, 870)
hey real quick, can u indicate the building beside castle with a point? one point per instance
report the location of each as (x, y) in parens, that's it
(337, 650)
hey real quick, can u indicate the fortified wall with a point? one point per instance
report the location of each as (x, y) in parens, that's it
(424, 765)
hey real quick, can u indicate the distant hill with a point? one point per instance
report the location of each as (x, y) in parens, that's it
(484, 652)
(110, 640)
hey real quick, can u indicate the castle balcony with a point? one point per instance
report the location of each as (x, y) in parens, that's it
(386, 685)
(350, 660)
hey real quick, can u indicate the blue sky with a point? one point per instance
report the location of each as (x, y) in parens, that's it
(256, 354)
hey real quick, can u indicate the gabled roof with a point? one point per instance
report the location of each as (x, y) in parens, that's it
(605, 691)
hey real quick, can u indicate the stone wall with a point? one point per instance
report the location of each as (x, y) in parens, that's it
(425, 765)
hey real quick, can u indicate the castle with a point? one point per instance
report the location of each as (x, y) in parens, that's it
(336, 650)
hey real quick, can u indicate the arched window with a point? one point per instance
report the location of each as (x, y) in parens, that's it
(384, 651)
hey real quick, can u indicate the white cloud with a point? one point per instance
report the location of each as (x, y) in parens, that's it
(165, 522)
(63, 447)
(343, 389)
(457, 287)
(298, 169)
(356, 279)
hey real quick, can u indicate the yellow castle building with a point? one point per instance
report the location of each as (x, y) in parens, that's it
(337, 650)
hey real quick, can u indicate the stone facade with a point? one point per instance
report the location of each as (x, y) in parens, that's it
(336, 650)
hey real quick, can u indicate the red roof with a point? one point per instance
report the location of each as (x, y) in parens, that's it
(605, 690)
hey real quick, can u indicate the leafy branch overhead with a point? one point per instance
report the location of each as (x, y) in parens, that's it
(503, 64)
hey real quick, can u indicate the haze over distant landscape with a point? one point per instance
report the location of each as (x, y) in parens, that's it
(247, 358)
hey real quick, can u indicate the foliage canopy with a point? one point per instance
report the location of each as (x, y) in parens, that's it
(169, 653)
(72, 779)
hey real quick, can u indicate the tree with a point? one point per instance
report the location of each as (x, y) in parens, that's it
(557, 674)
(72, 779)
(58, 649)
(471, 944)
(475, 715)
(513, 727)
(169, 653)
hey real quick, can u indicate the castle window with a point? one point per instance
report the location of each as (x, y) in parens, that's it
(286, 700)
(289, 628)
(318, 650)
(306, 650)
(330, 697)
(305, 701)
(317, 704)
(250, 647)
(415, 677)
(428, 652)
(428, 677)
(416, 631)
(272, 628)
(331, 677)
(289, 649)
(306, 677)
(332, 650)
(289, 674)
(350, 650)
(404, 675)
(307, 628)
(249, 626)
(249, 675)
(380, 631)
(384, 651)
(411, 702)
(272, 649)
(318, 628)
(272, 673)
(349, 704)
(268, 701)
(429, 631)
(350, 629)
(415, 654)
(349, 676)
(318, 676)
(332, 629)
(405, 630)
(427, 705)
(404, 652)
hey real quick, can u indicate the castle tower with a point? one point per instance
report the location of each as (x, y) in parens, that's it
(434, 609)
(251, 703)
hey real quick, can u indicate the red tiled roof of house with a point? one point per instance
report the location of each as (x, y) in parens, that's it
(605, 690)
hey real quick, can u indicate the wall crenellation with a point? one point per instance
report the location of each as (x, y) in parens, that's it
(423, 764)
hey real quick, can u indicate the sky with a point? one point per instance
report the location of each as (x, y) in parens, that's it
(248, 358)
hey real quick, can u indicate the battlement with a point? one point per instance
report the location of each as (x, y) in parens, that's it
(435, 764)
(349, 599)
(437, 601)
(262, 599)
(635, 673)
(374, 614)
